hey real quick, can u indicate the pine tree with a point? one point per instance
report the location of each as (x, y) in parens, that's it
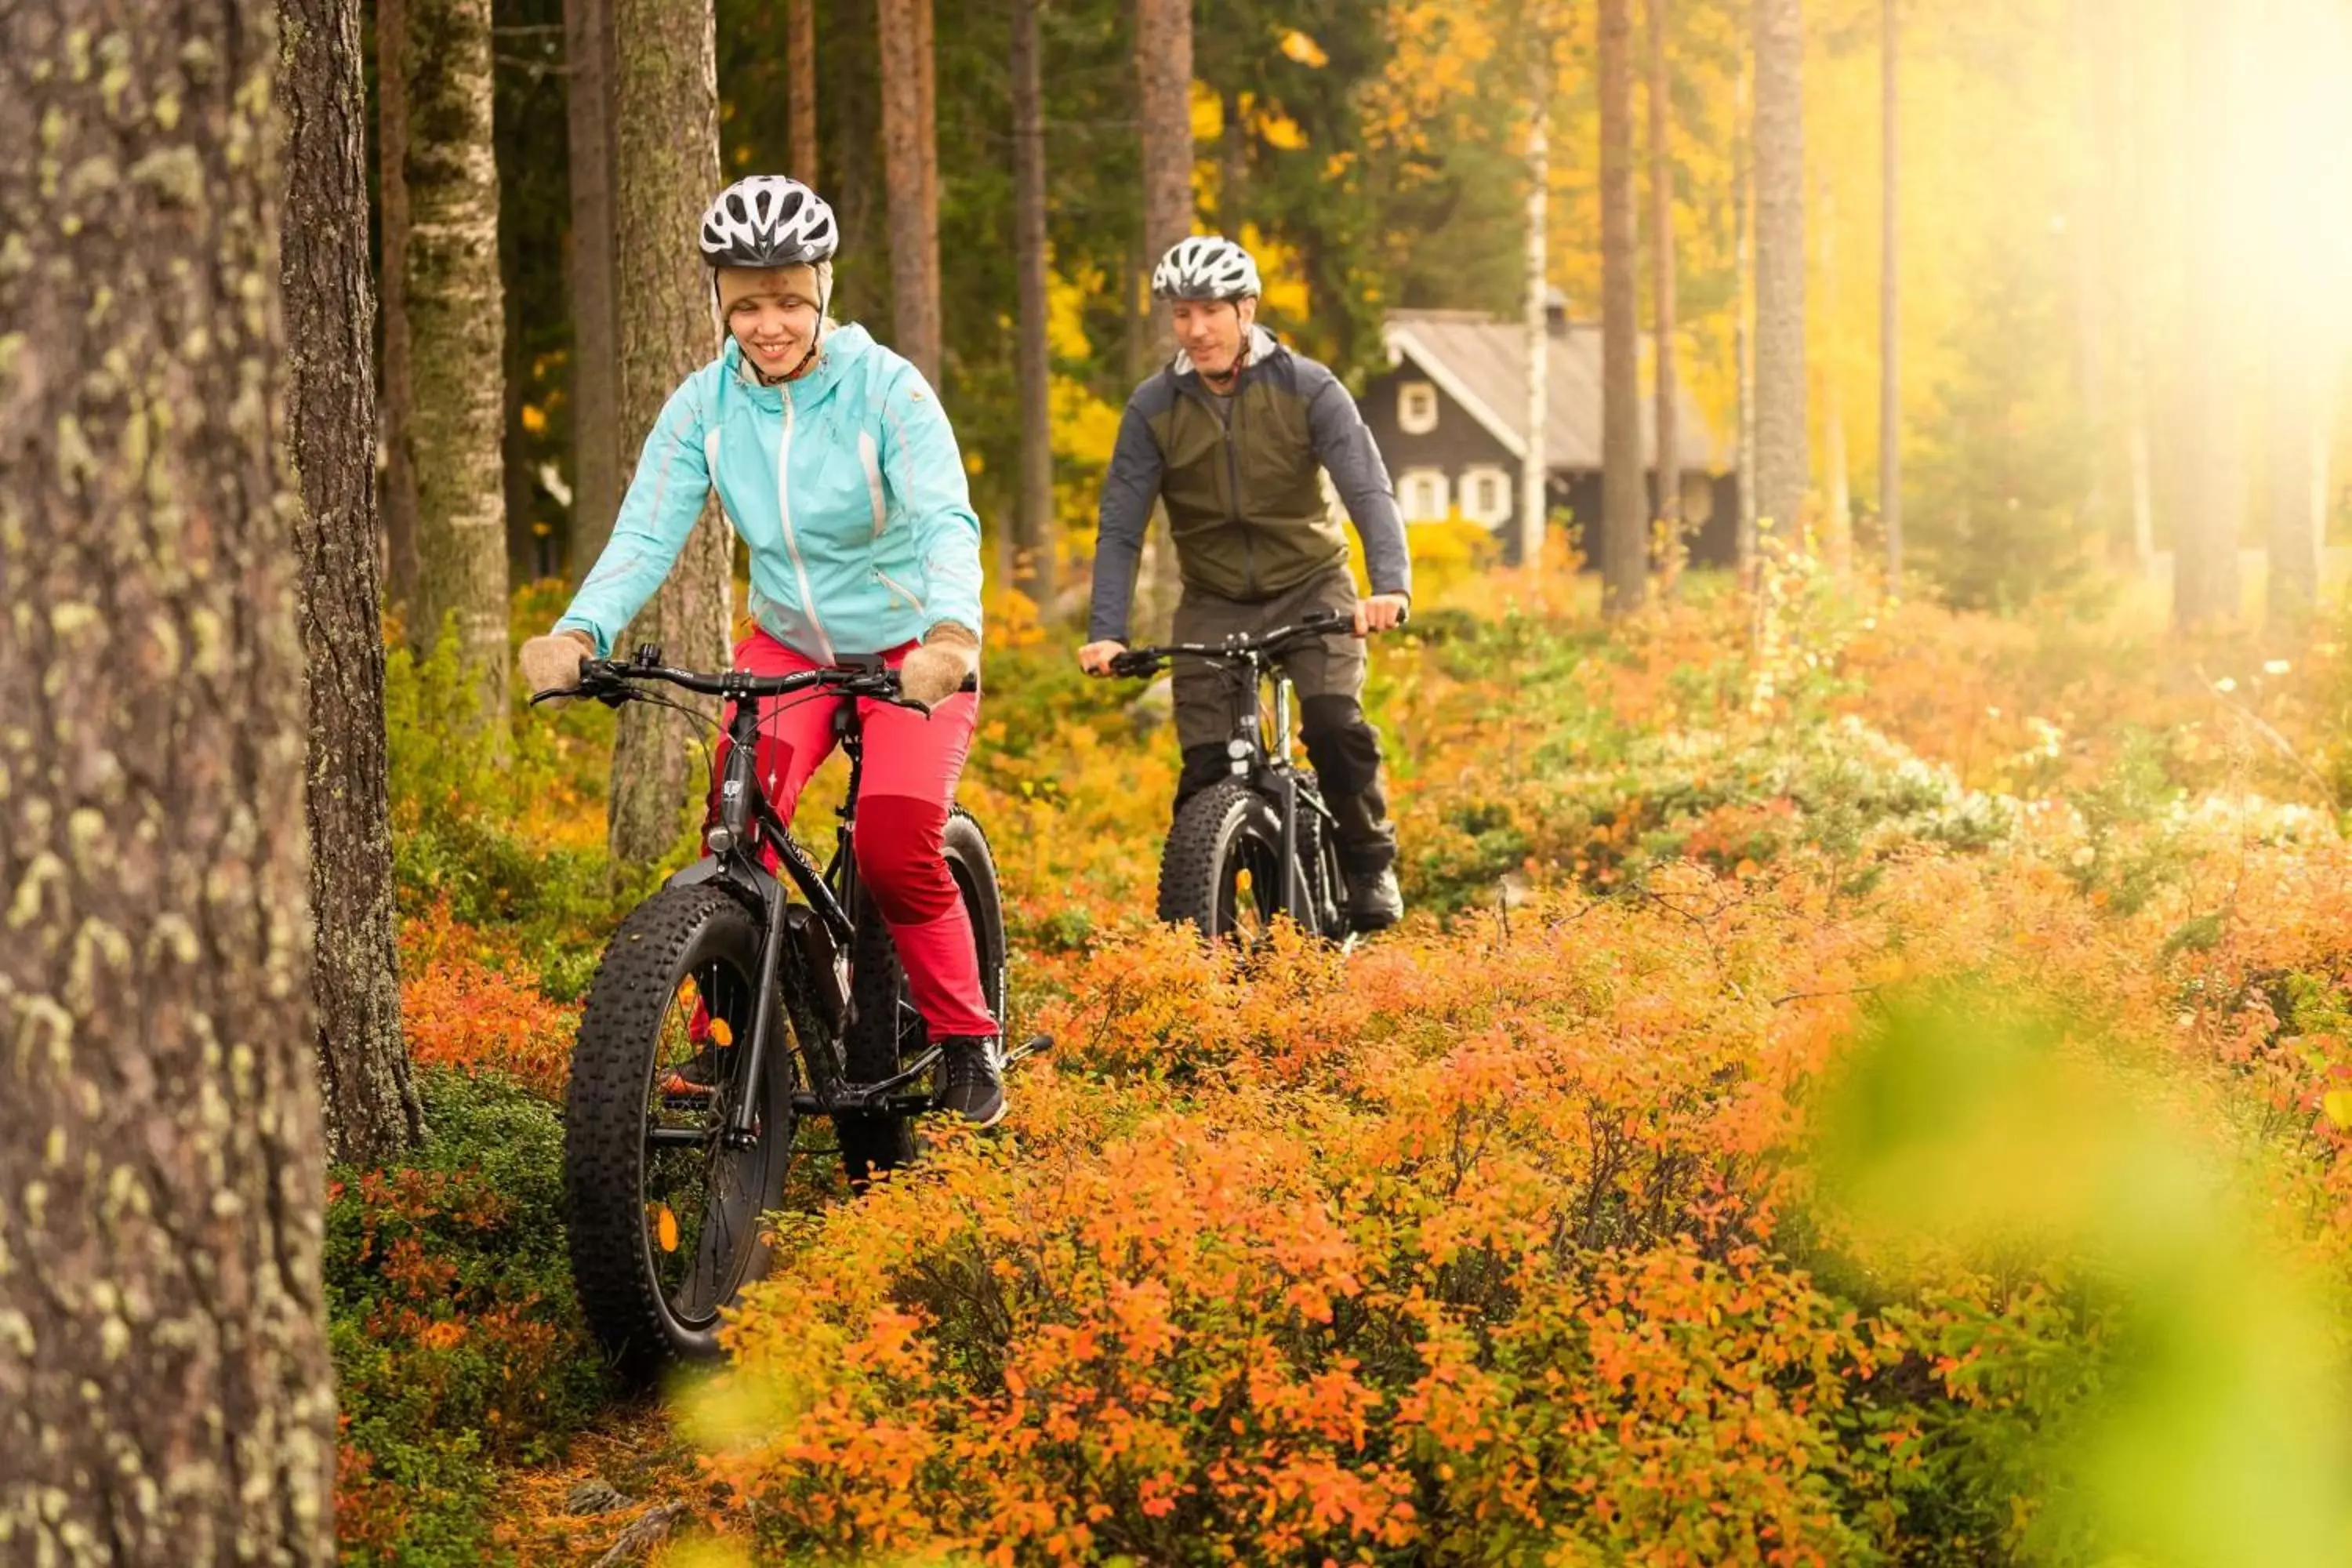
(665, 116)
(1782, 464)
(372, 1111)
(457, 344)
(1624, 512)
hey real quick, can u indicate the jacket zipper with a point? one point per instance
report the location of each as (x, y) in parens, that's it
(1233, 474)
(792, 539)
(1224, 419)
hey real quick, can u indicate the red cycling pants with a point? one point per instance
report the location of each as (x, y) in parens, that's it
(909, 779)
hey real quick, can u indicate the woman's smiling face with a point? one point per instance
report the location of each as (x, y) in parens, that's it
(772, 312)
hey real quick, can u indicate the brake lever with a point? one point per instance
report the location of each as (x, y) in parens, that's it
(612, 694)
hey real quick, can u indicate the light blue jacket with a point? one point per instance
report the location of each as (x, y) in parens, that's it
(845, 484)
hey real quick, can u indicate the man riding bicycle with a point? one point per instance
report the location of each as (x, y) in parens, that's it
(1230, 435)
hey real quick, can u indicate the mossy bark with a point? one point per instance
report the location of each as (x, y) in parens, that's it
(165, 1393)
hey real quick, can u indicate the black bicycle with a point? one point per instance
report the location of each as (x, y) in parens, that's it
(723, 1013)
(1258, 843)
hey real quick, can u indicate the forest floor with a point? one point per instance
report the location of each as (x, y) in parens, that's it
(1859, 1083)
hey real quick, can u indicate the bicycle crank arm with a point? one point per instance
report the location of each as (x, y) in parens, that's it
(1032, 1045)
(865, 1095)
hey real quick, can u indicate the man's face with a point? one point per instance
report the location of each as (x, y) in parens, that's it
(1212, 332)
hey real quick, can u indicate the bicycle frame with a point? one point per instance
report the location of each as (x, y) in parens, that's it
(746, 820)
(1264, 756)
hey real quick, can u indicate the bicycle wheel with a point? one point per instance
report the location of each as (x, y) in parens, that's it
(886, 1032)
(663, 1216)
(1221, 869)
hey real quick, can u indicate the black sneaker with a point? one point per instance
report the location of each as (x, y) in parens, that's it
(971, 1079)
(1374, 901)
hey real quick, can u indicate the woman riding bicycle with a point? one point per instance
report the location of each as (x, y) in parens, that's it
(835, 464)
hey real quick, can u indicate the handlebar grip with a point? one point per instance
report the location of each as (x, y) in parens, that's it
(1133, 663)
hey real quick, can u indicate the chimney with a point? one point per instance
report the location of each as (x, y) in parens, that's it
(1555, 312)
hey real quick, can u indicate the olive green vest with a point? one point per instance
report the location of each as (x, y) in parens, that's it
(1243, 485)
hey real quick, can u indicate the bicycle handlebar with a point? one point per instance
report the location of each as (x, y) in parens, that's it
(1141, 662)
(611, 681)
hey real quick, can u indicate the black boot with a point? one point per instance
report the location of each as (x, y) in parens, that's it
(1375, 902)
(971, 1079)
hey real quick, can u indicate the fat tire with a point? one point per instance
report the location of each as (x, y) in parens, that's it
(1193, 865)
(605, 1123)
(872, 1046)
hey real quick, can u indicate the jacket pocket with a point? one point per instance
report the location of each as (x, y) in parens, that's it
(900, 594)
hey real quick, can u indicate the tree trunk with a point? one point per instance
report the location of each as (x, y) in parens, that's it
(1837, 525)
(1033, 531)
(598, 457)
(1667, 422)
(1782, 463)
(456, 320)
(1743, 335)
(910, 164)
(1534, 464)
(800, 69)
(1890, 316)
(2298, 442)
(1233, 164)
(2205, 566)
(1624, 508)
(666, 112)
(2299, 83)
(165, 1392)
(399, 497)
(1163, 68)
(371, 1112)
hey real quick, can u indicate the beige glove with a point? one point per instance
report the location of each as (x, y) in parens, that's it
(937, 670)
(552, 663)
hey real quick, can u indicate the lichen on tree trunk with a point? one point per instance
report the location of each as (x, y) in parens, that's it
(165, 1393)
(665, 106)
(456, 322)
(372, 1111)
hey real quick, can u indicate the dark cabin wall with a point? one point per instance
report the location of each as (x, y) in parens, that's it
(1460, 442)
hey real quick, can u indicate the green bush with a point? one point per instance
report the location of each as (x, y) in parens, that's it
(458, 1343)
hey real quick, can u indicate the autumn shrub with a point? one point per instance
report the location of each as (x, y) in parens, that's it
(458, 1344)
(1516, 1235)
(470, 1001)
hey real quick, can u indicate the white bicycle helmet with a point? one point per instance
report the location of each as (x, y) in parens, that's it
(1205, 266)
(768, 220)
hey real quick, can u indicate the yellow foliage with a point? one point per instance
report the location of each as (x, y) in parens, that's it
(1300, 46)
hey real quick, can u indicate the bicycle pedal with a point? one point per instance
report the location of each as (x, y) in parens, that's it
(1030, 1046)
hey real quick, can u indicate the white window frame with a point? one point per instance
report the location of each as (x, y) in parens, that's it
(1424, 495)
(1499, 512)
(1416, 408)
